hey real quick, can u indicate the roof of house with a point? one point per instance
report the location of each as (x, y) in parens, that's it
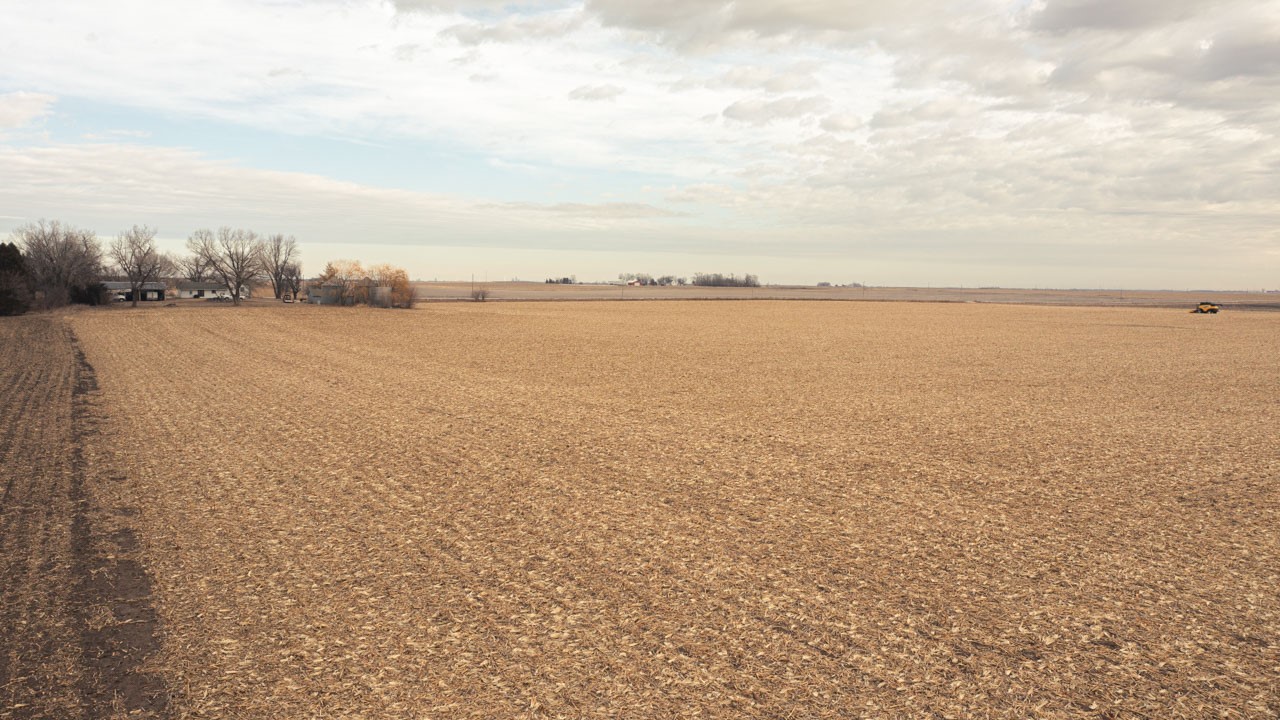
(188, 285)
(116, 285)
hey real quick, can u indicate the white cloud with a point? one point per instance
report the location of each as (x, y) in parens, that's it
(821, 124)
(596, 92)
(20, 109)
(757, 111)
(841, 123)
(116, 135)
(600, 211)
(516, 29)
(703, 25)
(109, 185)
(473, 6)
(1072, 15)
(872, 215)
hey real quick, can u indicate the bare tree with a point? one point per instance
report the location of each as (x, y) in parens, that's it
(292, 278)
(193, 268)
(60, 259)
(397, 280)
(278, 252)
(134, 254)
(722, 280)
(234, 256)
(350, 276)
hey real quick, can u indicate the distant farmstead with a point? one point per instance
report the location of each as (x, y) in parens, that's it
(187, 289)
(380, 296)
(123, 291)
(328, 294)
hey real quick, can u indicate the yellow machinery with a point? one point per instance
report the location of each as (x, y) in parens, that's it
(1206, 307)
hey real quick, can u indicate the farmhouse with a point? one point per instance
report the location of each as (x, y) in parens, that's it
(123, 291)
(329, 294)
(188, 289)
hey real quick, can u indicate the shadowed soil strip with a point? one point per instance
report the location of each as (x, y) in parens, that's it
(119, 628)
(76, 616)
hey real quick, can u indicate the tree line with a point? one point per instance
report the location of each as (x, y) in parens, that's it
(49, 264)
(647, 279)
(719, 280)
(235, 258)
(703, 279)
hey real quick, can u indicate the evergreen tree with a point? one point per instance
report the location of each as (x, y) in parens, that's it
(15, 282)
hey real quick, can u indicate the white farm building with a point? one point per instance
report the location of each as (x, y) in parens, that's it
(188, 289)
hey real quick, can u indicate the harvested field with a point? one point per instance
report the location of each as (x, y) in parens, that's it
(75, 609)
(39, 665)
(768, 509)
(517, 290)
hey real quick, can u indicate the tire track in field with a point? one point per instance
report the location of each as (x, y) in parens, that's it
(117, 624)
(76, 624)
(37, 671)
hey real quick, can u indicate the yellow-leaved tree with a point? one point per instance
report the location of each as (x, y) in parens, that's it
(350, 277)
(397, 279)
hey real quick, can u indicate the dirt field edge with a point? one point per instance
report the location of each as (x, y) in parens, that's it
(109, 575)
(76, 614)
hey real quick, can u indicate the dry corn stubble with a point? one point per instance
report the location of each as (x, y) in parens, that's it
(76, 627)
(726, 509)
(39, 658)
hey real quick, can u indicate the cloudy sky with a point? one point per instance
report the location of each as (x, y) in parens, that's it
(1063, 143)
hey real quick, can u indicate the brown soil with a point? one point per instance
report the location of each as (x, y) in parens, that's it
(717, 509)
(523, 291)
(76, 613)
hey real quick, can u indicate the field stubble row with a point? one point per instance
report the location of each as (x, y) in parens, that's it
(666, 509)
(76, 623)
(39, 663)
